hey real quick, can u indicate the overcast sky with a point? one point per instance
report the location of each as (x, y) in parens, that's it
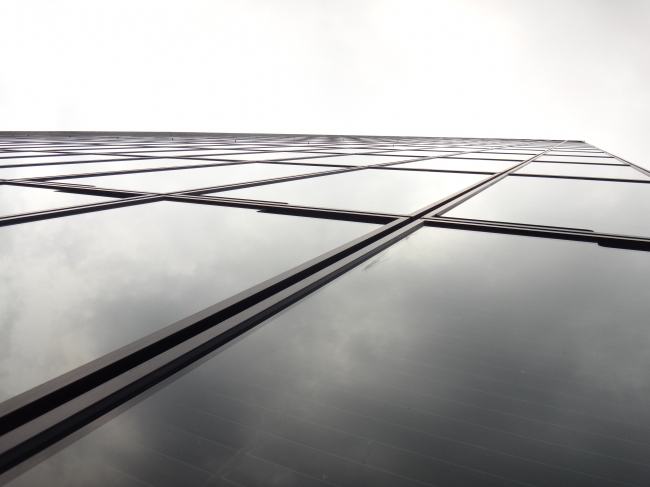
(577, 69)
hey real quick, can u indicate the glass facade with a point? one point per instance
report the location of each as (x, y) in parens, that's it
(418, 311)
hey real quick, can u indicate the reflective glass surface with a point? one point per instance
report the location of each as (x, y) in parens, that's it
(583, 170)
(184, 153)
(579, 159)
(186, 179)
(488, 155)
(452, 359)
(357, 160)
(413, 153)
(265, 156)
(460, 165)
(76, 288)
(22, 172)
(602, 206)
(58, 159)
(18, 154)
(376, 190)
(22, 199)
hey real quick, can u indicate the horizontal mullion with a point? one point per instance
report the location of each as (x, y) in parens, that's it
(603, 239)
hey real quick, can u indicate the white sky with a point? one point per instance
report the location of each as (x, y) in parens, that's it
(576, 69)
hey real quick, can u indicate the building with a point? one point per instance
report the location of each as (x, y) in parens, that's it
(245, 310)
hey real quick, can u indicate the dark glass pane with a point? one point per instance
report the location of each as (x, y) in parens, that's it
(21, 199)
(21, 172)
(76, 288)
(462, 359)
(460, 165)
(186, 179)
(602, 206)
(583, 170)
(366, 190)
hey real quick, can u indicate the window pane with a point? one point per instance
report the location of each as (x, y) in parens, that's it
(21, 199)
(583, 170)
(76, 288)
(413, 153)
(58, 159)
(21, 172)
(602, 206)
(462, 359)
(186, 179)
(374, 190)
(500, 157)
(358, 160)
(265, 156)
(460, 165)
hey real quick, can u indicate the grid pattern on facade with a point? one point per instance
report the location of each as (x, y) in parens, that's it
(246, 309)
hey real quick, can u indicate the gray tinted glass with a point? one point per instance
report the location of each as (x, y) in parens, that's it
(186, 179)
(583, 170)
(366, 190)
(463, 359)
(21, 199)
(602, 206)
(76, 288)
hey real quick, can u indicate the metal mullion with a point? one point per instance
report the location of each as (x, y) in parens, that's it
(456, 199)
(450, 156)
(74, 210)
(586, 178)
(626, 162)
(52, 410)
(262, 182)
(432, 170)
(583, 163)
(629, 242)
(127, 171)
(287, 209)
(118, 159)
(80, 189)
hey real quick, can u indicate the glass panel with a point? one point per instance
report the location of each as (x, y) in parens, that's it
(415, 153)
(265, 156)
(348, 151)
(21, 172)
(602, 206)
(184, 153)
(374, 190)
(463, 359)
(21, 199)
(487, 155)
(19, 155)
(583, 170)
(59, 159)
(460, 165)
(580, 159)
(358, 160)
(76, 288)
(186, 179)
